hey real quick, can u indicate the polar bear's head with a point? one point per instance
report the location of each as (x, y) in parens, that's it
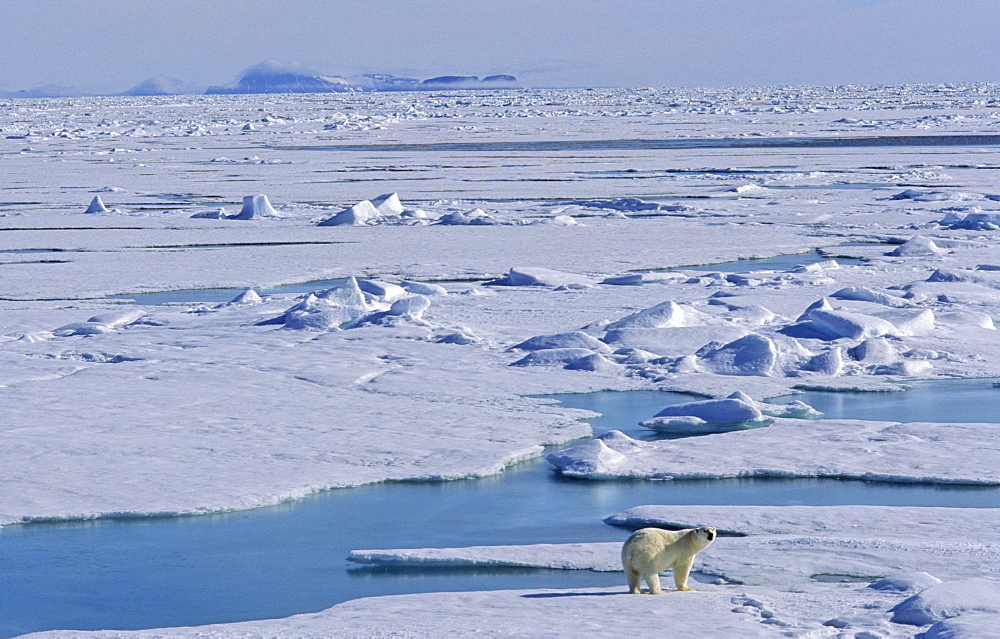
(707, 533)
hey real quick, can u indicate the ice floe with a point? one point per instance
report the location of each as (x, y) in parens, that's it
(872, 451)
(706, 416)
(571, 556)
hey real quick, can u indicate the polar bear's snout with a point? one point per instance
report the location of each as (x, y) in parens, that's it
(711, 535)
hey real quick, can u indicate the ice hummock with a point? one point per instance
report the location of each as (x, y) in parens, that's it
(359, 214)
(97, 206)
(572, 339)
(255, 206)
(388, 204)
(540, 276)
(664, 315)
(248, 296)
(949, 599)
(738, 411)
(715, 411)
(917, 246)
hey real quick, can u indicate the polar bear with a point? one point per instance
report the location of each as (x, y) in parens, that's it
(650, 551)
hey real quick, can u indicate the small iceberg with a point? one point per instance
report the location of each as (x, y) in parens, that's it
(537, 276)
(974, 221)
(412, 307)
(388, 205)
(360, 214)
(665, 315)
(707, 416)
(749, 355)
(246, 298)
(604, 457)
(255, 206)
(423, 288)
(917, 246)
(334, 309)
(475, 217)
(573, 339)
(739, 411)
(384, 291)
(97, 206)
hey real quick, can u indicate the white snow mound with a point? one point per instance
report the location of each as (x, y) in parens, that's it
(950, 599)
(665, 315)
(97, 206)
(538, 276)
(573, 339)
(719, 411)
(910, 582)
(388, 204)
(255, 206)
(359, 214)
(749, 355)
(917, 246)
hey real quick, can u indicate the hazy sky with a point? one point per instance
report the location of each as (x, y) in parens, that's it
(112, 45)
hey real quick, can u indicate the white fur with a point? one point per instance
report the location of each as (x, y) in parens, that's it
(650, 551)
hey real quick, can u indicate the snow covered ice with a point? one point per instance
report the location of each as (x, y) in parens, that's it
(471, 285)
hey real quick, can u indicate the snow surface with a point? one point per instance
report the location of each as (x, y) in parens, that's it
(558, 200)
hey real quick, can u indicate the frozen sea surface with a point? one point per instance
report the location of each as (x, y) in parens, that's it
(121, 410)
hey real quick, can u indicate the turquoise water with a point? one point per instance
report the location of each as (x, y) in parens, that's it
(288, 559)
(958, 400)
(221, 295)
(941, 400)
(777, 263)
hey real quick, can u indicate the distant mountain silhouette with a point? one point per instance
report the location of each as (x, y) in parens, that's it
(273, 77)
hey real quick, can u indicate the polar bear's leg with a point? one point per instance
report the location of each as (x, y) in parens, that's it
(633, 581)
(682, 568)
(653, 580)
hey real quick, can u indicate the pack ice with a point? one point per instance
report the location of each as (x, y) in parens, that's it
(524, 243)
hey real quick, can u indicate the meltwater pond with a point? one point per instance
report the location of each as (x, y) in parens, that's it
(940, 400)
(776, 263)
(288, 559)
(222, 295)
